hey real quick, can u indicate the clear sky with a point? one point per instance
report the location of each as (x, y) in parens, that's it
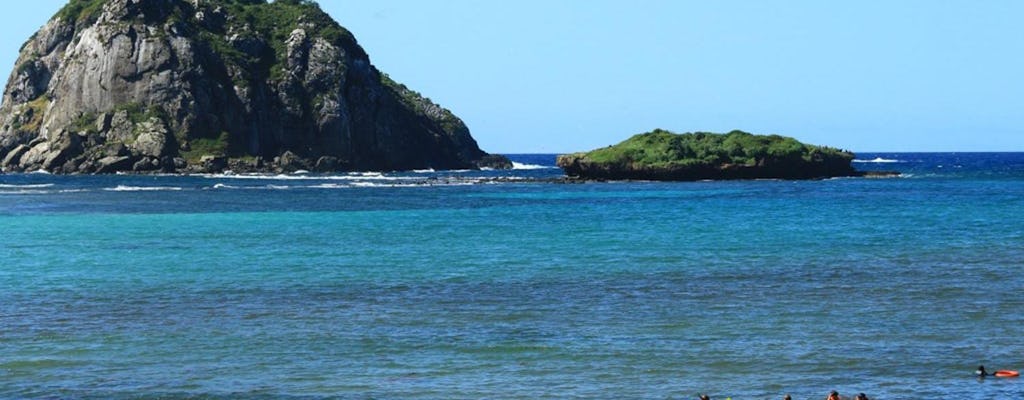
(539, 76)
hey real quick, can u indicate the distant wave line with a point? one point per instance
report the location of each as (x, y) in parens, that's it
(34, 186)
(878, 160)
(517, 165)
(125, 188)
(363, 176)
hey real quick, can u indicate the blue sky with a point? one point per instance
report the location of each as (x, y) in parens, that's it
(531, 76)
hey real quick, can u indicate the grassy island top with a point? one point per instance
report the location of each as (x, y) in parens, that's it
(661, 148)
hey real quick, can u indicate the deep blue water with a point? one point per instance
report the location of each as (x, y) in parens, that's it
(427, 285)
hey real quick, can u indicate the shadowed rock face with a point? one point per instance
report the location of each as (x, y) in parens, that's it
(203, 85)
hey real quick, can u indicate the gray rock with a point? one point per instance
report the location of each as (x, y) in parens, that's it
(213, 164)
(327, 164)
(72, 166)
(64, 147)
(103, 122)
(113, 164)
(116, 149)
(146, 164)
(152, 139)
(34, 157)
(150, 74)
(120, 128)
(289, 162)
(13, 158)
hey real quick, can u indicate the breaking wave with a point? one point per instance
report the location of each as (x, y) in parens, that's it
(516, 165)
(878, 160)
(125, 188)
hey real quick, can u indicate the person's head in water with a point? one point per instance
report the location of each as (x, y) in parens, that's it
(787, 398)
(704, 397)
(862, 396)
(833, 396)
(981, 371)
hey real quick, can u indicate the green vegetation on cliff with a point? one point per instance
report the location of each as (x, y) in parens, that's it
(664, 155)
(661, 148)
(81, 11)
(274, 22)
(270, 22)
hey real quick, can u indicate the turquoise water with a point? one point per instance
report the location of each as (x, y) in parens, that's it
(435, 285)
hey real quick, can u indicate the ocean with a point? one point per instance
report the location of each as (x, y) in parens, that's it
(505, 285)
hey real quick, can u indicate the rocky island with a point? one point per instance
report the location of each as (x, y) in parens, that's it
(665, 156)
(207, 85)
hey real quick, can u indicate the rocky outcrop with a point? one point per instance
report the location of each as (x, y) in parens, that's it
(665, 156)
(201, 85)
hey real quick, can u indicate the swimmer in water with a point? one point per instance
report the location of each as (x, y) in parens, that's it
(981, 371)
(704, 397)
(833, 396)
(861, 396)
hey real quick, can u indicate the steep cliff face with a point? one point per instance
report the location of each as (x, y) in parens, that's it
(204, 85)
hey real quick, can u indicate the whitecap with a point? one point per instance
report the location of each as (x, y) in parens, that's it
(348, 177)
(330, 186)
(31, 186)
(24, 191)
(125, 188)
(368, 184)
(516, 165)
(424, 171)
(878, 160)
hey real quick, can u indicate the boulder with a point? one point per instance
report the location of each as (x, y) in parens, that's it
(289, 162)
(112, 164)
(146, 164)
(13, 158)
(152, 139)
(34, 157)
(213, 163)
(327, 164)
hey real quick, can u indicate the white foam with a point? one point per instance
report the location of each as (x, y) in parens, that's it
(24, 191)
(424, 171)
(348, 177)
(516, 165)
(878, 160)
(265, 187)
(35, 186)
(125, 188)
(330, 186)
